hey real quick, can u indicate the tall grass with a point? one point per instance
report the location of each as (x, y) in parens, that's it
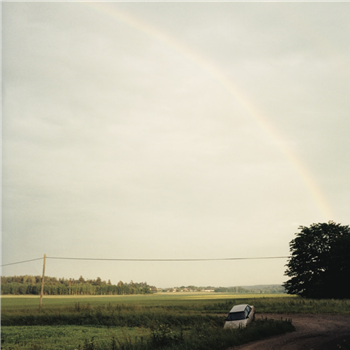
(64, 337)
(111, 317)
(158, 299)
(199, 338)
(286, 305)
(161, 336)
(178, 313)
(165, 322)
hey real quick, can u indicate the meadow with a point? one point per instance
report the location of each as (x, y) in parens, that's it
(163, 321)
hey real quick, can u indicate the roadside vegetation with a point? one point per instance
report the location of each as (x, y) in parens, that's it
(199, 336)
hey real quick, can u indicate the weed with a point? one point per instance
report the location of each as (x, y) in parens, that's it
(163, 335)
(89, 345)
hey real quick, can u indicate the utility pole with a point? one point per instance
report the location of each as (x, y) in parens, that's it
(42, 284)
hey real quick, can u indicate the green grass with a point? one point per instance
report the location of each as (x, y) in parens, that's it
(191, 321)
(142, 311)
(29, 302)
(152, 299)
(63, 337)
(291, 305)
(199, 337)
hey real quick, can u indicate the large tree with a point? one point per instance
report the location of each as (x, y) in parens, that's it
(319, 266)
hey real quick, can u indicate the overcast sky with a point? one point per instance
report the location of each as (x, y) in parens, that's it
(171, 130)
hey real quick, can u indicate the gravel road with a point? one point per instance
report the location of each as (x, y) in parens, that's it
(313, 332)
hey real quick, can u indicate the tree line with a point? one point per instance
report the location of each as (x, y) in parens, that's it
(22, 285)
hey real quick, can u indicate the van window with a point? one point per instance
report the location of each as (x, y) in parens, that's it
(234, 316)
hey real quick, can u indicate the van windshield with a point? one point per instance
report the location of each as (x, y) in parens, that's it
(234, 316)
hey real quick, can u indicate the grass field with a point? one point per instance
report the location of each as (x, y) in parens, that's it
(164, 320)
(65, 337)
(32, 301)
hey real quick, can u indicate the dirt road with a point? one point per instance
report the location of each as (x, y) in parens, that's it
(313, 332)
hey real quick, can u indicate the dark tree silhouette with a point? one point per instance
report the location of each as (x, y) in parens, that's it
(319, 266)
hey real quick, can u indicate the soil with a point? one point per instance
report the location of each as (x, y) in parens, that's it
(313, 332)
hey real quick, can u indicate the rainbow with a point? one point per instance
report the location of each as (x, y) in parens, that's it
(302, 170)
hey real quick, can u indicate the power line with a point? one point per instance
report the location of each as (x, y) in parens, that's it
(175, 260)
(152, 260)
(21, 262)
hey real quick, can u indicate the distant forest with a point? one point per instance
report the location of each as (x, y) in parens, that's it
(22, 285)
(18, 285)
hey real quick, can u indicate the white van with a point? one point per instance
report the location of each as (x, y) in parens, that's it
(240, 316)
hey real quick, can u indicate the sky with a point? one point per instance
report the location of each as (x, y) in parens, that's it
(171, 130)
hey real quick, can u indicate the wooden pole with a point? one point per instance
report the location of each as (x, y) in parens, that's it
(42, 284)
